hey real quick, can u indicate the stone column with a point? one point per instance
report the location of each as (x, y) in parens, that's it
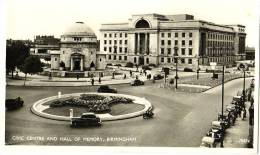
(71, 64)
(138, 43)
(145, 43)
(81, 64)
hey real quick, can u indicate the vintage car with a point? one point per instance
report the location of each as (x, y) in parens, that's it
(12, 104)
(106, 89)
(157, 76)
(86, 119)
(208, 142)
(137, 82)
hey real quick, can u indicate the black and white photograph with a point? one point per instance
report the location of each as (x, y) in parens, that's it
(150, 74)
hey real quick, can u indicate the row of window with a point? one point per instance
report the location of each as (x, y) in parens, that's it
(120, 49)
(176, 34)
(115, 42)
(219, 53)
(115, 35)
(219, 43)
(220, 36)
(120, 57)
(171, 51)
(170, 60)
(183, 42)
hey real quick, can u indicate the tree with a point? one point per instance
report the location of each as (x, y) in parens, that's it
(16, 52)
(32, 65)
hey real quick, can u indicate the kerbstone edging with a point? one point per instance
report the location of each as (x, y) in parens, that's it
(37, 107)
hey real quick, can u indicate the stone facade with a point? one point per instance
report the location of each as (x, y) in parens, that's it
(158, 39)
(78, 50)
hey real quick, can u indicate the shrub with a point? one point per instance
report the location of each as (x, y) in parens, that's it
(109, 64)
(152, 65)
(129, 64)
(62, 64)
(145, 67)
(186, 69)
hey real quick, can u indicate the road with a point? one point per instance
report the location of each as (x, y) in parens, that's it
(181, 119)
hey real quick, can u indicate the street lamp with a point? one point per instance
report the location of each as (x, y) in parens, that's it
(198, 69)
(175, 55)
(222, 106)
(242, 66)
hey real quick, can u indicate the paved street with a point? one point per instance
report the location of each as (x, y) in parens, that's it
(181, 119)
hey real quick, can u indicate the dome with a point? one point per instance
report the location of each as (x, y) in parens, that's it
(79, 29)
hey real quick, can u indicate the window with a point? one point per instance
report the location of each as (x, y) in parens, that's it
(190, 51)
(120, 49)
(162, 42)
(110, 35)
(55, 59)
(169, 51)
(114, 57)
(182, 61)
(115, 50)
(183, 42)
(190, 61)
(110, 42)
(162, 35)
(120, 57)
(147, 60)
(190, 42)
(169, 60)
(105, 35)
(115, 35)
(126, 35)
(100, 59)
(162, 50)
(77, 39)
(105, 48)
(125, 49)
(125, 57)
(169, 35)
(183, 34)
(176, 42)
(105, 41)
(134, 59)
(120, 35)
(125, 42)
(176, 34)
(110, 49)
(175, 60)
(190, 34)
(120, 42)
(109, 57)
(162, 59)
(115, 41)
(183, 51)
(169, 42)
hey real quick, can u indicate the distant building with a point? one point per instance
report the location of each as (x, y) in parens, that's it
(78, 50)
(27, 42)
(154, 38)
(250, 53)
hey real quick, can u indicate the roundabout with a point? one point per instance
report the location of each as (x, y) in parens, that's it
(118, 106)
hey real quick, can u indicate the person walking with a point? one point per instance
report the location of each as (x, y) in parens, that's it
(92, 81)
(99, 80)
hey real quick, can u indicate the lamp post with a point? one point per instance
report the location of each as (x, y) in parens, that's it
(176, 63)
(242, 66)
(222, 105)
(198, 69)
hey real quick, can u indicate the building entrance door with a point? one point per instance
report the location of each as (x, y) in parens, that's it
(76, 65)
(141, 60)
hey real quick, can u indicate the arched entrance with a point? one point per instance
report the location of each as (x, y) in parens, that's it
(77, 62)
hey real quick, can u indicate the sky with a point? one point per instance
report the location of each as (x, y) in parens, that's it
(27, 18)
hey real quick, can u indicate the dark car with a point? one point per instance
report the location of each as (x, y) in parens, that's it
(157, 77)
(106, 89)
(12, 104)
(137, 82)
(86, 119)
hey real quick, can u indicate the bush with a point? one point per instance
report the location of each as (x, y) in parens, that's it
(187, 69)
(129, 64)
(109, 64)
(146, 67)
(152, 65)
(62, 64)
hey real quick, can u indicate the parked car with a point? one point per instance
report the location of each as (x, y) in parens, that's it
(137, 82)
(106, 89)
(12, 104)
(157, 76)
(86, 119)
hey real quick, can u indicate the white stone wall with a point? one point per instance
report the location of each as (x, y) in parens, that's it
(101, 62)
(55, 62)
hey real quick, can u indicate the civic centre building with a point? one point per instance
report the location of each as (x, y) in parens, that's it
(157, 39)
(78, 50)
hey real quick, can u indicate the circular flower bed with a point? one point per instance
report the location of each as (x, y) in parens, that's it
(92, 102)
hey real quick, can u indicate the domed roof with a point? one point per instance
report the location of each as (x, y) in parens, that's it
(80, 29)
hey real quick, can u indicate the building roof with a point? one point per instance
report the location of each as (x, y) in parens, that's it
(79, 29)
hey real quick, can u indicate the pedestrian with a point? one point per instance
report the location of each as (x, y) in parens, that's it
(77, 76)
(145, 72)
(251, 115)
(124, 76)
(92, 81)
(244, 113)
(136, 77)
(130, 72)
(99, 80)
